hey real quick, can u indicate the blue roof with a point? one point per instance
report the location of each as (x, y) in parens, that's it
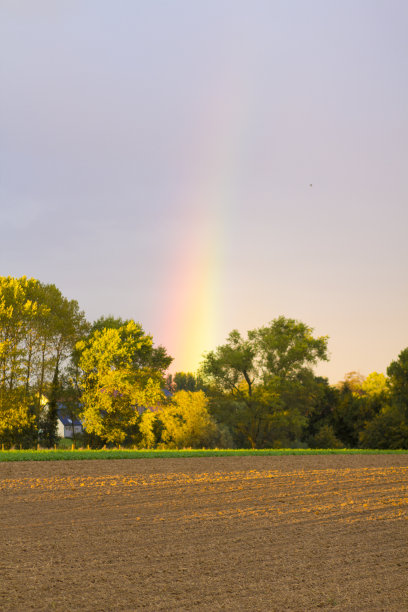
(66, 420)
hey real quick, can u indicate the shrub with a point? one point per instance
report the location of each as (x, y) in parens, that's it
(326, 438)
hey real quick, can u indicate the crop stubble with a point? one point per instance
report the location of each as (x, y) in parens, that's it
(232, 533)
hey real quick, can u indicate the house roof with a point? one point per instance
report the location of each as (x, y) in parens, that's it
(66, 420)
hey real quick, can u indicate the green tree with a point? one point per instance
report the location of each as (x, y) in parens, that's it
(398, 381)
(287, 349)
(389, 429)
(265, 381)
(323, 402)
(325, 438)
(184, 381)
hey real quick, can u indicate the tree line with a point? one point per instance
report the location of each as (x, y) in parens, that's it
(257, 390)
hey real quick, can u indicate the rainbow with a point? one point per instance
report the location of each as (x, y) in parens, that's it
(194, 296)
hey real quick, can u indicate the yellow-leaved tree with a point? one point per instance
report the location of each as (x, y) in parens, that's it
(38, 330)
(375, 384)
(118, 376)
(187, 422)
(15, 415)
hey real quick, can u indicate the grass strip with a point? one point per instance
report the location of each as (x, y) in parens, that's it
(77, 455)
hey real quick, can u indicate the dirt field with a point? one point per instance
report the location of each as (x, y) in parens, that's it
(231, 533)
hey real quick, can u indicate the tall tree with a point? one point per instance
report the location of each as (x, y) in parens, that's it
(146, 355)
(119, 374)
(265, 379)
(19, 316)
(398, 381)
(38, 330)
(389, 427)
(287, 349)
(65, 326)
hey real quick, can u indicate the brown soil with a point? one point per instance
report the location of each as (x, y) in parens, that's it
(231, 533)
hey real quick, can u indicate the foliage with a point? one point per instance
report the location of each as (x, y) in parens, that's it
(325, 438)
(16, 418)
(38, 330)
(148, 425)
(398, 380)
(323, 400)
(375, 385)
(117, 376)
(388, 430)
(146, 355)
(185, 381)
(256, 390)
(347, 417)
(287, 349)
(65, 444)
(184, 421)
(265, 381)
(187, 422)
(353, 381)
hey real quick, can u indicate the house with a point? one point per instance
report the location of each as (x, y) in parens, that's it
(67, 426)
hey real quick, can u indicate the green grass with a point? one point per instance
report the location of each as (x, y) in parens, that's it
(58, 455)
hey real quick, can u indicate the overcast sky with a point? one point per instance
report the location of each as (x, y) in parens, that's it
(207, 165)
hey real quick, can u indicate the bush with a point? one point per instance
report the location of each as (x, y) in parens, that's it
(325, 438)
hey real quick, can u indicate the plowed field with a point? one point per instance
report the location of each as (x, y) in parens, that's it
(231, 533)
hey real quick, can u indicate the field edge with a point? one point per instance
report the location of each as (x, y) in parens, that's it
(108, 454)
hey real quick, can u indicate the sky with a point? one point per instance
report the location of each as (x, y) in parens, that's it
(211, 165)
